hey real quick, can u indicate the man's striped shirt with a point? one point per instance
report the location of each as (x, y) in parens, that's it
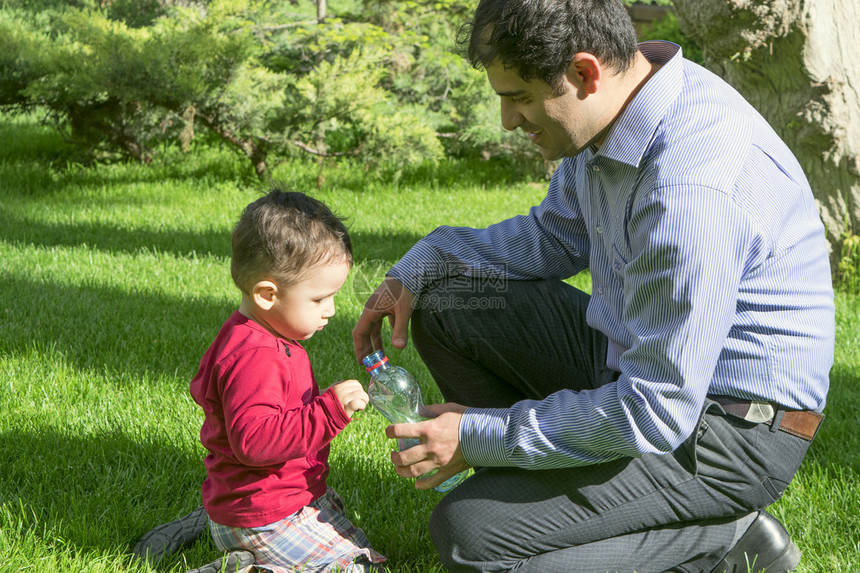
(709, 269)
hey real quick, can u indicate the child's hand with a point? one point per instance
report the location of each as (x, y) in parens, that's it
(351, 395)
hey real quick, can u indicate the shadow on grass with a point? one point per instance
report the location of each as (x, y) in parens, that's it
(139, 335)
(102, 329)
(116, 239)
(99, 492)
(93, 491)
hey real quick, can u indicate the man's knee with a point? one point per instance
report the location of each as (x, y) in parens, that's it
(456, 537)
(440, 534)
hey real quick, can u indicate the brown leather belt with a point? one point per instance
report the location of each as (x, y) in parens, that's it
(801, 423)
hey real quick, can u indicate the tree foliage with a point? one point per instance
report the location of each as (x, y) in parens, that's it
(126, 78)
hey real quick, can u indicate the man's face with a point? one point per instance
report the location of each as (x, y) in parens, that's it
(560, 124)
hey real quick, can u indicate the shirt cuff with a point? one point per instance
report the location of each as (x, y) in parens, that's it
(482, 437)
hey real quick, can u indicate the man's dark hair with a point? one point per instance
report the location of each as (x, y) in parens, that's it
(538, 38)
(284, 234)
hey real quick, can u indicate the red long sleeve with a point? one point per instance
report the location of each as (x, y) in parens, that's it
(267, 427)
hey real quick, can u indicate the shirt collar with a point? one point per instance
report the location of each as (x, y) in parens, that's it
(632, 133)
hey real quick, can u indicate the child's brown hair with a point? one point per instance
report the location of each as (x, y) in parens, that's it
(282, 235)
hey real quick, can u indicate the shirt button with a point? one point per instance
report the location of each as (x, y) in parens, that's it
(600, 290)
(599, 229)
(597, 168)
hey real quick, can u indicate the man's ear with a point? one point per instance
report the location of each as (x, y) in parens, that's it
(585, 72)
(263, 294)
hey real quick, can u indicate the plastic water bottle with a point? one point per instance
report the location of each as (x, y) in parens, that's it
(396, 394)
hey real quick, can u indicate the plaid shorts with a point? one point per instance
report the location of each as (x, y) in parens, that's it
(317, 538)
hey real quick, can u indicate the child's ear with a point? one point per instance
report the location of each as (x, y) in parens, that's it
(264, 293)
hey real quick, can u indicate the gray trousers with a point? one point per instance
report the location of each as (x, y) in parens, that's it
(491, 345)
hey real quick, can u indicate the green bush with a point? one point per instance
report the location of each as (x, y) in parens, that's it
(134, 78)
(123, 88)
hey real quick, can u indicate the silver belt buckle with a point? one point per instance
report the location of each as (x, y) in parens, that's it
(759, 412)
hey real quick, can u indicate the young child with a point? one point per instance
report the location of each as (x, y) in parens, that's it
(267, 427)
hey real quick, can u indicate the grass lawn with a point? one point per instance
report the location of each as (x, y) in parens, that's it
(113, 281)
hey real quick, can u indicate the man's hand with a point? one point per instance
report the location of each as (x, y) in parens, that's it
(351, 395)
(439, 447)
(393, 300)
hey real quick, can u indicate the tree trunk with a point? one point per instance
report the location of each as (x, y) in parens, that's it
(321, 11)
(795, 61)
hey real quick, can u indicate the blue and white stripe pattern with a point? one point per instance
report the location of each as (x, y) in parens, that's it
(709, 266)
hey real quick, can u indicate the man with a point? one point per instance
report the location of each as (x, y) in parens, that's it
(647, 426)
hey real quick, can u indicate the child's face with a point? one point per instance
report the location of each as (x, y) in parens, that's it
(302, 309)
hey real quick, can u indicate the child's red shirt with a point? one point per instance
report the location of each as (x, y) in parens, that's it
(267, 427)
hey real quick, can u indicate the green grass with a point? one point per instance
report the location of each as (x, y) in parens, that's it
(113, 281)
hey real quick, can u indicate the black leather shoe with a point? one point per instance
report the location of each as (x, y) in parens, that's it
(169, 537)
(766, 546)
